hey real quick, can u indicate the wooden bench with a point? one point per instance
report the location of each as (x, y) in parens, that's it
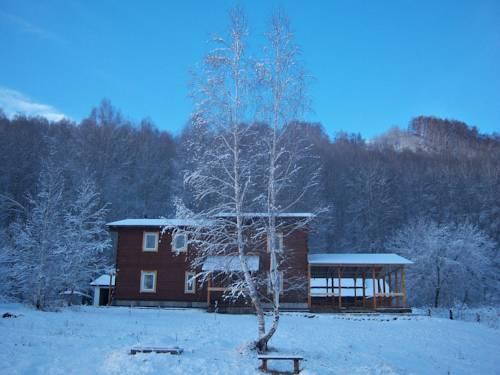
(151, 349)
(295, 358)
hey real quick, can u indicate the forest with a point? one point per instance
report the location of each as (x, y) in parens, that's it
(438, 178)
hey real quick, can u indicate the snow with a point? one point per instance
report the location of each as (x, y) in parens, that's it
(230, 263)
(103, 280)
(265, 214)
(155, 223)
(357, 258)
(93, 340)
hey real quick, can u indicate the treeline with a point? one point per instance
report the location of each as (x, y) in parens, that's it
(439, 170)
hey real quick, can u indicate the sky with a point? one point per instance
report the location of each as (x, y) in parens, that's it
(376, 64)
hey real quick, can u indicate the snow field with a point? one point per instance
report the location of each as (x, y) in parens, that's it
(88, 340)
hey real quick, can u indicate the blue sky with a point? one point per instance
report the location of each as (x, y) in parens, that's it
(375, 64)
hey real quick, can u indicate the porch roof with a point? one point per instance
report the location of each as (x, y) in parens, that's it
(356, 259)
(230, 263)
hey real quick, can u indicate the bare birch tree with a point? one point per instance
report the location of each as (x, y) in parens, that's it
(283, 101)
(223, 104)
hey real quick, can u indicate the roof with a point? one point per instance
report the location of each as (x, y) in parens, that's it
(154, 223)
(266, 214)
(103, 280)
(230, 263)
(358, 258)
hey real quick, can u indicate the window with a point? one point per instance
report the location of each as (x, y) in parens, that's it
(280, 280)
(148, 281)
(150, 241)
(179, 242)
(278, 243)
(190, 282)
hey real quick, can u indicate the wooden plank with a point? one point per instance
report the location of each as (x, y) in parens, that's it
(280, 356)
(159, 350)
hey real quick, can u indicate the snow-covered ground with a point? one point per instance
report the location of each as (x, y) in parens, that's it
(91, 340)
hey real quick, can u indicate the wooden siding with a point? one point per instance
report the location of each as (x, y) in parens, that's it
(171, 267)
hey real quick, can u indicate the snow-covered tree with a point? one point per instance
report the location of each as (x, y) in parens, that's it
(38, 241)
(86, 239)
(225, 169)
(453, 262)
(282, 101)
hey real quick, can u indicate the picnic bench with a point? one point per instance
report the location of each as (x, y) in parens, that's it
(283, 357)
(152, 349)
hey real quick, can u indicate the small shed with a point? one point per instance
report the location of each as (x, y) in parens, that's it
(356, 281)
(103, 288)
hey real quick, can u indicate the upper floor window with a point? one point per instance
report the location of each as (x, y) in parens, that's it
(150, 241)
(148, 281)
(179, 242)
(278, 243)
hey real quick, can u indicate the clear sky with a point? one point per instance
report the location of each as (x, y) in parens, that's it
(376, 63)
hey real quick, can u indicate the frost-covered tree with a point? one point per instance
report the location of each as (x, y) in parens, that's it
(453, 262)
(282, 101)
(86, 239)
(38, 241)
(221, 174)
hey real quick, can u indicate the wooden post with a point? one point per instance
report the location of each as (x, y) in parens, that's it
(396, 286)
(373, 287)
(209, 284)
(364, 288)
(383, 288)
(390, 288)
(309, 286)
(339, 273)
(110, 288)
(403, 285)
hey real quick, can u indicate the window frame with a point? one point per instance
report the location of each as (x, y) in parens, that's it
(144, 242)
(155, 278)
(184, 248)
(280, 241)
(187, 276)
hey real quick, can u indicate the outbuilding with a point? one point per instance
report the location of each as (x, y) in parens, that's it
(103, 289)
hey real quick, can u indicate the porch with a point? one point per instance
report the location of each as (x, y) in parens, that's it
(357, 283)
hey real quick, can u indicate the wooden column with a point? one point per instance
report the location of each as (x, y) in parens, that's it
(309, 286)
(373, 287)
(396, 286)
(209, 284)
(403, 285)
(383, 289)
(364, 289)
(390, 288)
(110, 289)
(339, 273)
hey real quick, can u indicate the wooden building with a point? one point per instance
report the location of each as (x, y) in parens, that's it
(153, 269)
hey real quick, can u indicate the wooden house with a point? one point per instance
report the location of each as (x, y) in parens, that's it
(153, 269)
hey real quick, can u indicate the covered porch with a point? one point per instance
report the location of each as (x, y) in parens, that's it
(357, 282)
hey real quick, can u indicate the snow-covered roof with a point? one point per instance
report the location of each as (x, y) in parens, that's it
(265, 214)
(154, 223)
(74, 292)
(103, 280)
(348, 258)
(230, 263)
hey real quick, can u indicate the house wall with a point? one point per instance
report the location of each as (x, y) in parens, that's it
(171, 268)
